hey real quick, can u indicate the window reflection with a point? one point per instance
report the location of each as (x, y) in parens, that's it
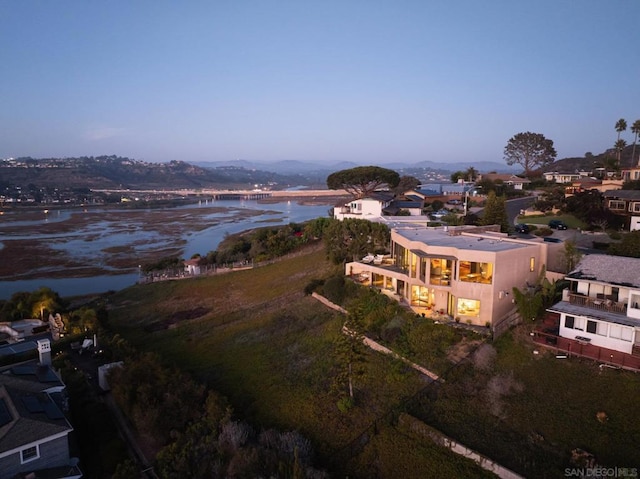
(440, 272)
(468, 307)
(473, 272)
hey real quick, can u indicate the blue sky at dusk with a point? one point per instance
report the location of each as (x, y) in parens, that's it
(363, 81)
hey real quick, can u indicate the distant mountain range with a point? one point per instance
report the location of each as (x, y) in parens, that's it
(105, 172)
(310, 168)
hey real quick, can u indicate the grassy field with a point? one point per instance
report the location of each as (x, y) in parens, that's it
(270, 349)
(255, 337)
(530, 410)
(570, 220)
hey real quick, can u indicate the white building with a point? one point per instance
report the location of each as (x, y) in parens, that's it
(366, 208)
(602, 304)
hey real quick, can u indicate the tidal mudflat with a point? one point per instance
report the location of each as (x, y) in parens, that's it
(102, 241)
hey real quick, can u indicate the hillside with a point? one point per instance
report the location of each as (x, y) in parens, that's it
(121, 172)
(590, 161)
(259, 340)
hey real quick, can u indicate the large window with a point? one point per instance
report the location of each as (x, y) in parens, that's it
(29, 454)
(468, 307)
(440, 272)
(420, 296)
(401, 256)
(616, 205)
(619, 332)
(473, 272)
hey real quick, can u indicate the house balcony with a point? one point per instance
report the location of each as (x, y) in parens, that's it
(598, 303)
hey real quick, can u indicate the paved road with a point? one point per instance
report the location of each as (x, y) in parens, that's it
(514, 206)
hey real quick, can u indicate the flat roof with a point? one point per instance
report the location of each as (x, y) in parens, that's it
(574, 309)
(473, 241)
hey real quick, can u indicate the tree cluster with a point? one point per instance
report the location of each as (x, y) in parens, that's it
(260, 244)
(353, 238)
(26, 305)
(196, 431)
(621, 143)
(629, 245)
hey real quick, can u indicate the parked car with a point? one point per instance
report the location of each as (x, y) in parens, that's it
(522, 228)
(557, 225)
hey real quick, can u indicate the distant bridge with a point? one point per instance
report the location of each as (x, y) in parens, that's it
(233, 194)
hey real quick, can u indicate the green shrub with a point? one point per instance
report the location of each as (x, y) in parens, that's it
(615, 235)
(543, 231)
(334, 289)
(392, 330)
(345, 404)
(313, 286)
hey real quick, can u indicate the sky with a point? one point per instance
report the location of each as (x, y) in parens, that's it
(366, 81)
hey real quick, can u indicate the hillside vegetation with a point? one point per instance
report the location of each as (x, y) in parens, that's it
(106, 172)
(256, 338)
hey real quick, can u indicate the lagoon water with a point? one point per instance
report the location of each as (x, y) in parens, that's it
(201, 242)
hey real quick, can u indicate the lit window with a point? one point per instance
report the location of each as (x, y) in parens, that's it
(532, 264)
(29, 454)
(440, 271)
(473, 272)
(468, 307)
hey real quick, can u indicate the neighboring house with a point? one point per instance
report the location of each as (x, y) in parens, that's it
(507, 179)
(630, 174)
(365, 208)
(465, 272)
(582, 185)
(446, 190)
(602, 304)
(411, 203)
(626, 203)
(559, 177)
(33, 428)
(192, 266)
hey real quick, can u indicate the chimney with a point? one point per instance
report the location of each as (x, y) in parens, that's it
(44, 352)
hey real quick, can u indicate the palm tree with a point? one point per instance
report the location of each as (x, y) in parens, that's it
(635, 129)
(471, 174)
(621, 125)
(619, 146)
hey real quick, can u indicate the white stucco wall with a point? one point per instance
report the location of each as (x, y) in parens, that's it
(598, 339)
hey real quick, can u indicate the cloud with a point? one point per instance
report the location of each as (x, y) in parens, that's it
(103, 133)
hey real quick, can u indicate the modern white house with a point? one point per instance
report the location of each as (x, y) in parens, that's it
(366, 208)
(466, 272)
(602, 304)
